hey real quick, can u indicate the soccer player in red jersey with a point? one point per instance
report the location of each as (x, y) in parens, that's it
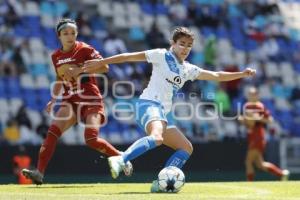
(255, 118)
(81, 100)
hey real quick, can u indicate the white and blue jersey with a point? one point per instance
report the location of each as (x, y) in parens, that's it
(168, 76)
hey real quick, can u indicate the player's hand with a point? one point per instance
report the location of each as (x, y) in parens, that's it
(72, 73)
(92, 63)
(49, 106)
(248, 72)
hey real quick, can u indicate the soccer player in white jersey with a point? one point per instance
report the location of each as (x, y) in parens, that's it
(170, 72)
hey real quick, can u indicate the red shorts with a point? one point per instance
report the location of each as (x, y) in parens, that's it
(83, 108)
(257, 145)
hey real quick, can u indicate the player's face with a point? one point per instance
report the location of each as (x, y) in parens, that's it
(253, 95)
(68, 37)
(182, 47)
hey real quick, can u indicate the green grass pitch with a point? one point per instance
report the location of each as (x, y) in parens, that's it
(191, 191)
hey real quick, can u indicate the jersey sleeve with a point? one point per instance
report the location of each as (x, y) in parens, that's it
(193, 72)
(154, 55)
(92, 53)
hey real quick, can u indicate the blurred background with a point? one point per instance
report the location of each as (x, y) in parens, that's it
(230, 35)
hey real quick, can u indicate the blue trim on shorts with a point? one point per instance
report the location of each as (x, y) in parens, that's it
(148, 110)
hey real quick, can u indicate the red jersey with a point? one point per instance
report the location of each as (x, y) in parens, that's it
(256, 134)
(76, 57)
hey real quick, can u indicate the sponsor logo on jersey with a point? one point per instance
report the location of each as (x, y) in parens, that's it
(66, 60)
(175, 82)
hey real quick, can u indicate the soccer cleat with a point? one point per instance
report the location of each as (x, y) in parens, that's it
(286, 174)
(34, 175)
(155, 187)
(116, 164)
(128, 169)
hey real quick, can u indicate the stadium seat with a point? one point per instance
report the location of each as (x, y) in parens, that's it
(60, 8)
(147, 8)
(161, 9)
(162, 22)
(35, 117)
(133, 8)
(13, 88)
(147, 21)
(27, 81)
(31, 8)
(46, 7)
(120, 22)
(272, 70)
(136, 34)
(4, 106)
(119, 9)
(15, 104)
(47, 21)
(42, 81)
(104, 8)
(134, 21)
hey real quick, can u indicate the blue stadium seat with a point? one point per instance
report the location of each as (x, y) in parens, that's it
(33, 24)
(222, 32)
(161, 9)
(136, 34)
(97, 44)
(21, 31)
(47, 8)
(30, 98)
(39, 69)
(13, 87)
(60, 8)
(285, 119)
(207, 31)
(251, 44)
(49, 38)
(147, 8)
(3, 94)
(297, 67)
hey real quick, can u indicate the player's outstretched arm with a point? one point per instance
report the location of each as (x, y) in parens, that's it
(225, 76)
(93, 65)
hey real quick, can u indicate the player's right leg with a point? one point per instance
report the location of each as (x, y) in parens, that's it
(270, 167)
(250, 159)
(151, 118)
(65, 118)
(155, 130)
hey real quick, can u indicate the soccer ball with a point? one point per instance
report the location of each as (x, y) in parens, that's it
(171, 179)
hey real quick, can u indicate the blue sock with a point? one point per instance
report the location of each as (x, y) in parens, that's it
(178, 159)
(139, 147)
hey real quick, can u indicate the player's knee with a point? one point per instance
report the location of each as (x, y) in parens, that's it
(248, 163)
(158, 138)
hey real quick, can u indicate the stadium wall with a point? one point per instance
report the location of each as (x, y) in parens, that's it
(224, 156)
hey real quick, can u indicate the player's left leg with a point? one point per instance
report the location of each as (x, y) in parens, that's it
(176, 140)
(92, 140)
(269, 167)
(250, 158)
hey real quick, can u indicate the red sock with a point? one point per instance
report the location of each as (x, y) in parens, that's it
(250, 177)
(48, 147)
(99, 144)
(273, 169)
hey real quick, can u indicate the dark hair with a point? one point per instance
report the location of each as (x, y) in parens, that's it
(180, 32)
(62, 22)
